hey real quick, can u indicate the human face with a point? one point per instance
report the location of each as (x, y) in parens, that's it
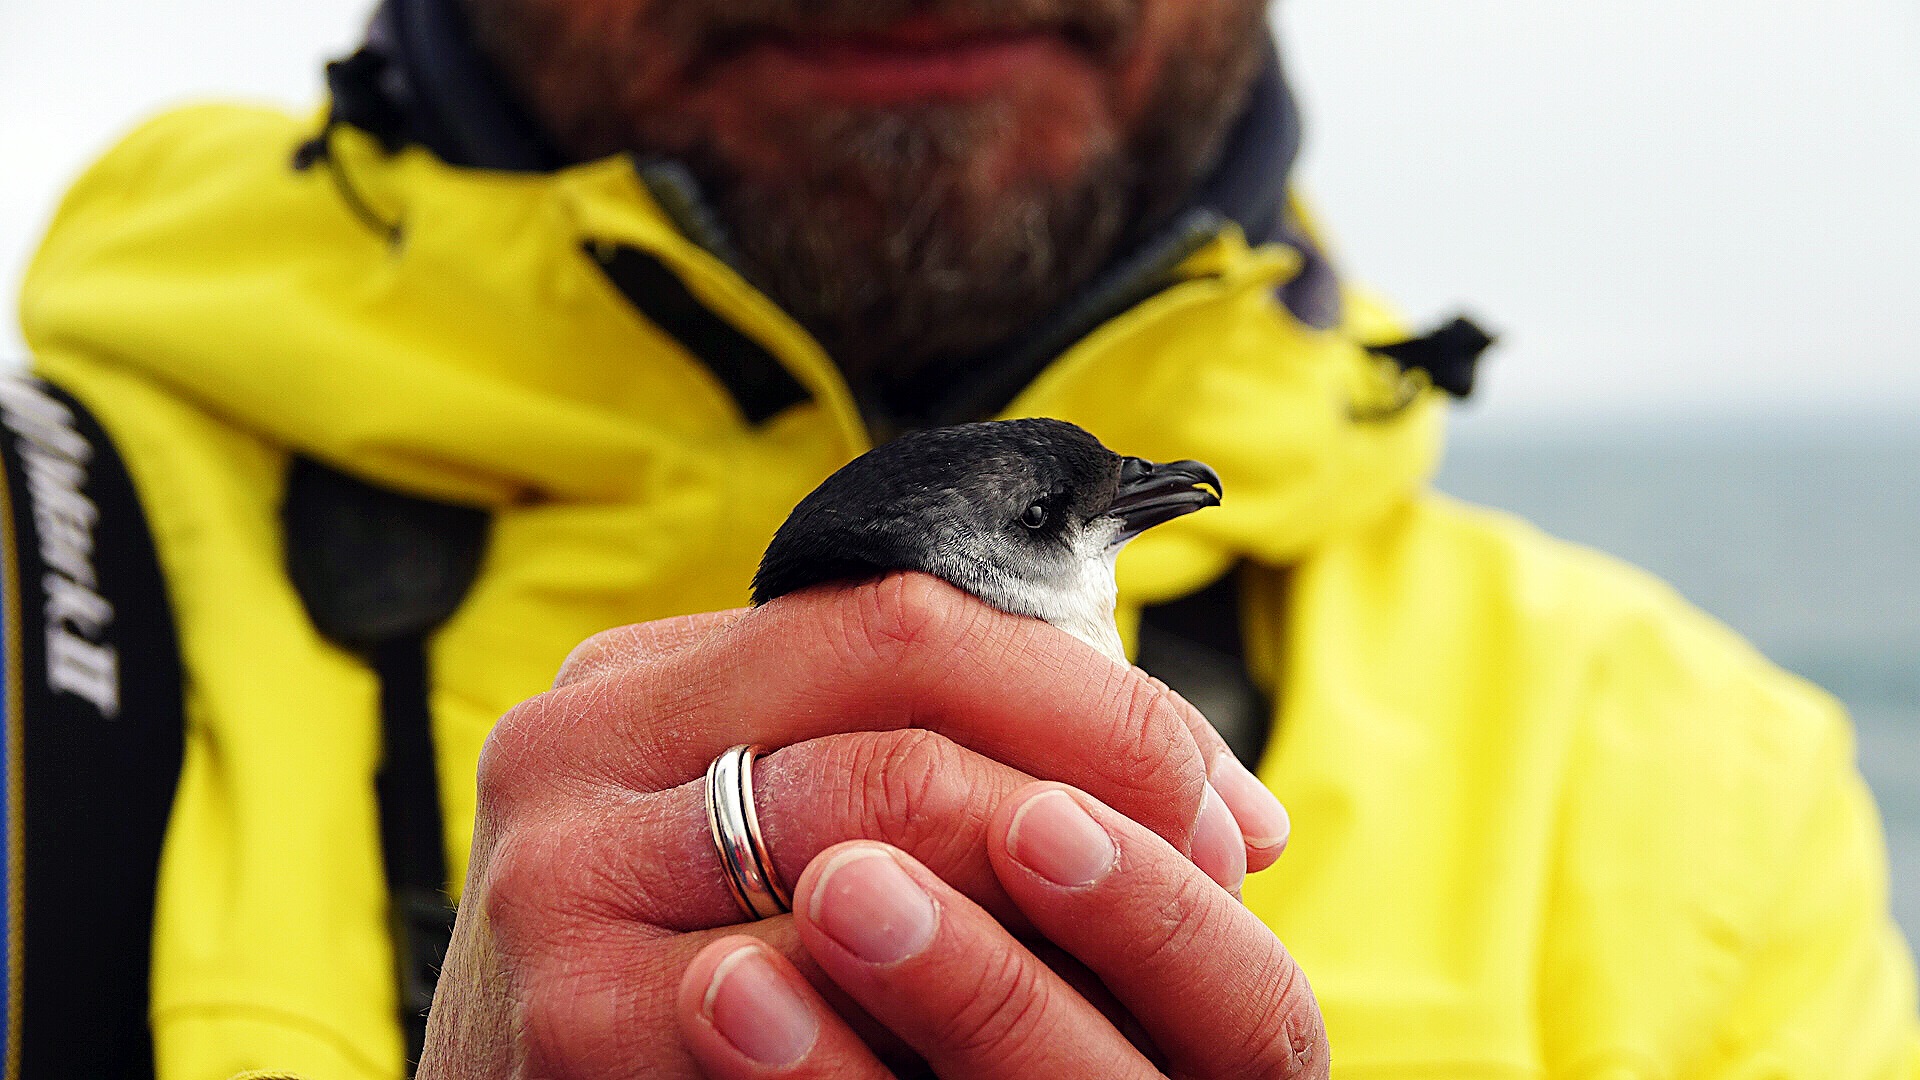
(914, 179)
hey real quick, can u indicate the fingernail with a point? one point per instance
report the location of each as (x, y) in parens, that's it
(1217, 846)
(868, 904)
(758, 1011)
(1263, 821)
(1057, 839)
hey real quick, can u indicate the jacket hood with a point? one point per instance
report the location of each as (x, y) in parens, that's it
(495, 353)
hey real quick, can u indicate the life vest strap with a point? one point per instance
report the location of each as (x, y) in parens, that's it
(95, 735)
(379, 572)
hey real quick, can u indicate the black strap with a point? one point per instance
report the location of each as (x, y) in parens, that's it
(379, 572)
(1196, 645)
(760, 384)
(95, 712)
(420, 909)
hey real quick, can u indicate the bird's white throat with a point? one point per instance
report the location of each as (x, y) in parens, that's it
(1084, 608)
(1074, 591)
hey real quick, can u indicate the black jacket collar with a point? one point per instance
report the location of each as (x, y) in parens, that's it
(445, 95)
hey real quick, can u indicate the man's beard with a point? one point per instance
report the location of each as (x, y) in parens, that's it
(897, 253)
(885, 232)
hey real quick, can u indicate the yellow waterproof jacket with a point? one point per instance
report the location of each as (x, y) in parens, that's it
(1548, 820)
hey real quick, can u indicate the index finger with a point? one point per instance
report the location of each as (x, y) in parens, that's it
(624, 646)
(906, 651)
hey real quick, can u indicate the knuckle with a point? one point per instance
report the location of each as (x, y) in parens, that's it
(894, 618)
(1165, 946)
(593, 655)
(521, 877)
(548, 885)
(1289, 1037)
(1004, 1012)
(1151, 754)
(1182, 710)
(911, 789)
(525, 761)
(613, 729)
(637, 644)
(900, 774)
(506, 754)
(581, 870)
(636, 866)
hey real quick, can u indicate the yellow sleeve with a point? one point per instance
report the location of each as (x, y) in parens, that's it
(1719, 910)
(1827, 986)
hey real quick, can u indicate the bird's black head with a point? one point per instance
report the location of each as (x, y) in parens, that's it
(1024, 514)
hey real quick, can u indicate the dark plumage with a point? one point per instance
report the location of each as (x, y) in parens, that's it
(1025, 514)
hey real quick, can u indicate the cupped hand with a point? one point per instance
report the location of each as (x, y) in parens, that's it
(1209, 987)
(900, 711)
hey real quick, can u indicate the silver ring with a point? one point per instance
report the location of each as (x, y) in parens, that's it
(736, 836)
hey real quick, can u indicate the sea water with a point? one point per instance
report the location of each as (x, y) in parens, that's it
(1805, 538)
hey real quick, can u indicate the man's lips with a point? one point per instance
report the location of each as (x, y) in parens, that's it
(914, 61)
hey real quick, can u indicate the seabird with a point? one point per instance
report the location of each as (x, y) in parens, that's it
(1027, 515)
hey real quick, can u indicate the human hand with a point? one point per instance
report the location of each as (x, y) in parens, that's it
(1211, 989)
(906, 712)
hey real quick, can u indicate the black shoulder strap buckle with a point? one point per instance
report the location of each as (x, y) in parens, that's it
(373, 565)
(1449, 355)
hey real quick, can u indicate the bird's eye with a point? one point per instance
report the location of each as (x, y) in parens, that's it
(1035, 516)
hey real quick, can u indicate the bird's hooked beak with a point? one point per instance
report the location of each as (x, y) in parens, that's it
(1150, 494)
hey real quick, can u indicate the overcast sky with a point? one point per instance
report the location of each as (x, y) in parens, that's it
(1694, 207)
